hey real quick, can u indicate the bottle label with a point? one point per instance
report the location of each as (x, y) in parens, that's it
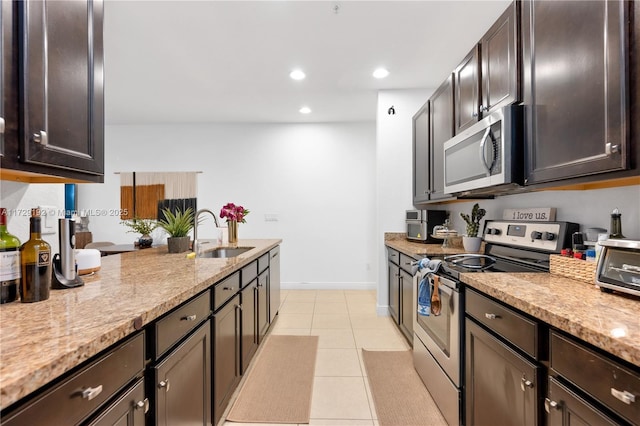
(44, 257)
(9, 265)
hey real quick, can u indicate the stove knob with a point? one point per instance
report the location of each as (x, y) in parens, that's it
(549, 236)
(535, 235)
(495, 231)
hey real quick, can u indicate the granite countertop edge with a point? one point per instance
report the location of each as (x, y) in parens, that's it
(41, 341)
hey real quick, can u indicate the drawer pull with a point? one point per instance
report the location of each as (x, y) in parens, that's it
(189, 318)
(165, 384)
(491, 316)
(143, 404)
(90, 393)
(524, 384)
(624, 396)
(228, 288)
(549, 405)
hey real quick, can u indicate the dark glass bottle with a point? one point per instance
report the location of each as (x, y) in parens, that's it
(35, 264)
(9, 262)
(616, 224)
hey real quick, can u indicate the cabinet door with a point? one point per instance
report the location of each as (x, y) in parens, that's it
(565, 408)
(394, 291)
(421, 157)
(406, 306)
(183, 382)
(500, 64)
(248, 325)
(441, 130)
(467, 91)
(128, 410)
(226, 355)
(502, 387)
(263, 305)
(62, 84)
(2, 50)
(575, 88)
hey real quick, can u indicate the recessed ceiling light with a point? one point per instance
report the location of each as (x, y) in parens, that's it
(305, 110)
(380, 73)
(297, 75)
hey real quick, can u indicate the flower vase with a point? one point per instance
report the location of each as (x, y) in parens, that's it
(232, 226)
(145, 241)
(472, 244)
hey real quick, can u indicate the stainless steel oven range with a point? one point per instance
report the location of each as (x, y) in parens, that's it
(438, 344)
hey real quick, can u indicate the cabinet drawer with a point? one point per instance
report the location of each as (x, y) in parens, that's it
(85, 391)
(514, 327)
(602, 378)
(263, 262)
(129, 409)
(225, 290)
(249, 273)
(178, 323)
(394, 256)
(405, 262)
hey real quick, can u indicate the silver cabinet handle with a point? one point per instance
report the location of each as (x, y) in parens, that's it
(228, 288)
(611, 149)
(188, 318)
(1, 125)
(491, 316)
(524, 384)
(41, 138)
(90, 393)
(624, 396)
(143, 404)
(165, 384)
(549, 405)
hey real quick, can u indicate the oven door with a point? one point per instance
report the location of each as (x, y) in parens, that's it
(441, 334)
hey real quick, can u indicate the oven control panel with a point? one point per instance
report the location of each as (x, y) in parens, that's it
(544, 236)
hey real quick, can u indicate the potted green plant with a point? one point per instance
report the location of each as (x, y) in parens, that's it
(144, 227)
(177, 226)
(471, 241)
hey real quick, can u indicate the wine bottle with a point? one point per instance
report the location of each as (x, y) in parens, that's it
(35, 263)
(9, 262)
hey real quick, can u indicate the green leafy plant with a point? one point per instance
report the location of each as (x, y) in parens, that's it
(473, 221)
(177, 225)
(141, 226)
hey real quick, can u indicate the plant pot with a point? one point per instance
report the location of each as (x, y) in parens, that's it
(232, 226)
(178, 244)
(471, 244)
(145, 241)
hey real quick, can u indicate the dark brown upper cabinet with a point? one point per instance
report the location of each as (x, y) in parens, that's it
(54, 92)
(575, 88)
(467, 90)
(499, 53)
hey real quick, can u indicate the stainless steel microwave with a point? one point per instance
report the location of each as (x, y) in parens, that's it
(486, 158)
(619, 266)
(420, 223)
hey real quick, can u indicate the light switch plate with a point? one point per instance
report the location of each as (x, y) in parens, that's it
(49, 215)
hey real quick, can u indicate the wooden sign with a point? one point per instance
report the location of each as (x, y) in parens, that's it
(544, 214)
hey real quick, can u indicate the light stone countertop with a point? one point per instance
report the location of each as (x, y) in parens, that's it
(41, 341)
(399, 242)
(610, 322)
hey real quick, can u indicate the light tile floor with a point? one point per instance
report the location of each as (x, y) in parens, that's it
(346, 322)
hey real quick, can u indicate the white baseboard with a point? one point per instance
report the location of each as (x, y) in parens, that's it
(382, 311)
(328, 286)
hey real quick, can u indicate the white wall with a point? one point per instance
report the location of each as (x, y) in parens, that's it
(393, 172)
(20, 198)
(319, 179)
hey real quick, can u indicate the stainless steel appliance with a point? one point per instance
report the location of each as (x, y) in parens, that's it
(65, 273)
(487, 157)
(438, 339)
(420, 223)
(619, 266)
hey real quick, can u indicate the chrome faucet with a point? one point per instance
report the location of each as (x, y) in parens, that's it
(195, 226)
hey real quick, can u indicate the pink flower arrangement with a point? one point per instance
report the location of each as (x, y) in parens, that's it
(232, 212)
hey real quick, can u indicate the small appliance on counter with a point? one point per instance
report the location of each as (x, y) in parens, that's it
(65, 274)
(420, 224)
(619, 266)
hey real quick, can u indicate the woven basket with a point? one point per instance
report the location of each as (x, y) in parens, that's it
(576, 269)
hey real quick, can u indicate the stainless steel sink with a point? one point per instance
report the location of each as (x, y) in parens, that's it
(223, 252)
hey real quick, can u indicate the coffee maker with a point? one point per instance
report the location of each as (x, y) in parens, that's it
(65, 271)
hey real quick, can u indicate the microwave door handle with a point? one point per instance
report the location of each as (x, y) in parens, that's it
(483, 160)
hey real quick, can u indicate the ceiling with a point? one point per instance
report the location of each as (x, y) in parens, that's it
(229, 61)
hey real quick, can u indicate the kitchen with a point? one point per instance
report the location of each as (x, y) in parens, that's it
(368, 165)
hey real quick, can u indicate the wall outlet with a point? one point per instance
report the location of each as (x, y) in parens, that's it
(270, 217)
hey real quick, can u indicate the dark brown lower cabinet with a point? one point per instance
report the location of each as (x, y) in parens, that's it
(502, 386)
(249, 343)
(128, 410)
(263, 304)
(226, 355)
(183, 382)
(566, 408)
